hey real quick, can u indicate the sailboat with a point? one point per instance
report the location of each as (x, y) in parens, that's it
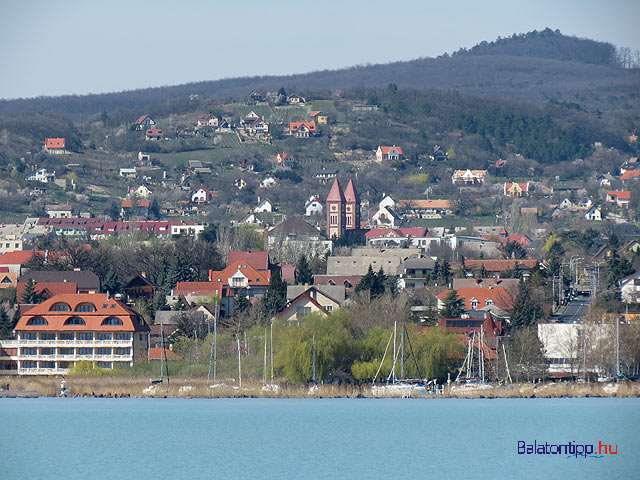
(474, 373)
(269, 387)
(314, 388)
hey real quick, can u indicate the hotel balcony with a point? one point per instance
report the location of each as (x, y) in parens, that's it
(67, 343)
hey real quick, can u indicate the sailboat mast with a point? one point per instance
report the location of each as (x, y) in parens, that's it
(264, 365)
(481, 347)
(393, 366)
(239, 363)
(271, 351)
(313, 348)
(402, 350)
(215, 342)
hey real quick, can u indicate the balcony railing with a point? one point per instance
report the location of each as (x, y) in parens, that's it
(75, 358)
(67, 343)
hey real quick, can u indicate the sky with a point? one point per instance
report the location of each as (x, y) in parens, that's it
(59, 47)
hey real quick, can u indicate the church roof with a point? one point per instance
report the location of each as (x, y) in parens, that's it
(350, 193)
(335, 194)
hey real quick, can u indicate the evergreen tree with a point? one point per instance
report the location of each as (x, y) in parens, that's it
(366, 281)
(378, 286)
(445, 273)
(111, 283)
(29, 295)
(483, 272)
(435, 273)
(303, 271)
(6, 327)
(525, 310)
(453, 306)
(275, 298)
(241, 303)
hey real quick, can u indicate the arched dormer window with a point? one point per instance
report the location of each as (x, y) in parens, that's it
(86, 307)
(37, 321)
(74, 321)
(112, 321)
(60, 307)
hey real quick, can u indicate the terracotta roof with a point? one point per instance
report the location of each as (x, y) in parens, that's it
(19, 257)
(350, 193)
(258, 260)
(629, 174)
(512, 186)
(141, 119)
(619, 194)
(154, 132)
(500, 265)
(157, 354)
(335, 194)
(501, 297)
(54, 143)
(105, 307)
(313, 113)
(424, 204)
(254, 277)
(48, 288)
(294, 126)
(127, 204)
(198, 288)
(386, 150)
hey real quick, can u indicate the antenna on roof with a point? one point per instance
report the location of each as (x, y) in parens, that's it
(108, 295)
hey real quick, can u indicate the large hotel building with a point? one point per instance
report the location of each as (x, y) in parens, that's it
(64, 329)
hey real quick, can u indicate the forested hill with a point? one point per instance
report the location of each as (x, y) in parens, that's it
(535, 67)
(550, 44)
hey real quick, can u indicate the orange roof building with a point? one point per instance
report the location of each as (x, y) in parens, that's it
(54, 145)
(67, 328)
(302, 129)
(481, 298)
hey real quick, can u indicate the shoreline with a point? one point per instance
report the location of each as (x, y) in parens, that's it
(184, 387)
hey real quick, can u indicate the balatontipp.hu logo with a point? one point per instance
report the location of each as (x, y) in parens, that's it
(571, 449)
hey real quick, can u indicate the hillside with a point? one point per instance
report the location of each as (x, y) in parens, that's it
(532, 67)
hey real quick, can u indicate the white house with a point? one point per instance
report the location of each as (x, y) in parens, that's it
(128, 172)
(268, 182)
(566, 204)
(385, 217)
(201, 195)
(387, 201)
(388, 153)
(263, 207)
(313, 206)
(58, 211)
(594, 214)
(41, 175)
(630, 288)
(468, 177)
(140, 192)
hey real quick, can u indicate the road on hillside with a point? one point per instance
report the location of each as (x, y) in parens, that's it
(573, 311)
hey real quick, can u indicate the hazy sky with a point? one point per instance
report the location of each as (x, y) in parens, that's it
(54, 47)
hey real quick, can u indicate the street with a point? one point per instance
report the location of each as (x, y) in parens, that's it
(573, 311)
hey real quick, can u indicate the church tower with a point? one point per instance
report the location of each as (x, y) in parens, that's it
(352, 207)
(335, 211)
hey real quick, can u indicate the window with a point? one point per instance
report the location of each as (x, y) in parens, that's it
(86, 307)
(67, 335)
(105, 336)
(85, 351)
(123, 336)
(123, 351)
(30, 336)
(29, 364)
(104, 365)
(29, 351)
(329, 308)
(349, 220)
(333, 220)
(64, 364)
(60, 307)
(37, 321)
(141, 337)
(303, 310)
(85, 336)
(112, 321)
(47, 336)
(74, 321)
(65, 351)
(48, 351)
(104, 351)
(489, 301)
(47, 364)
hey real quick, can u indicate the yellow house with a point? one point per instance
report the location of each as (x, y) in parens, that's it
(309, 301)
(320, 117)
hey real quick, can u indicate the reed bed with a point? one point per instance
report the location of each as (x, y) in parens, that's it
(199, 387)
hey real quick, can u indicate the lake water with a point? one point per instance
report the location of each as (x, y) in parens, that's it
(86, 438)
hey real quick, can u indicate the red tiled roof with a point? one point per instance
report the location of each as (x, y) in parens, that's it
(49, 288)
(141, 119)
(198, 288)
(501, 297)
(294, 126)
(619, 194)
(127, 204)
(105, 307)
(258, 260)
(156, 354)
(54, 143)
(255, 278)
(19, 257)
(629, 174)
(499, 265)
(386, 150)
(154, 132)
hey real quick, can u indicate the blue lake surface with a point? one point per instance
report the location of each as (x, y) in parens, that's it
(86, 438)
